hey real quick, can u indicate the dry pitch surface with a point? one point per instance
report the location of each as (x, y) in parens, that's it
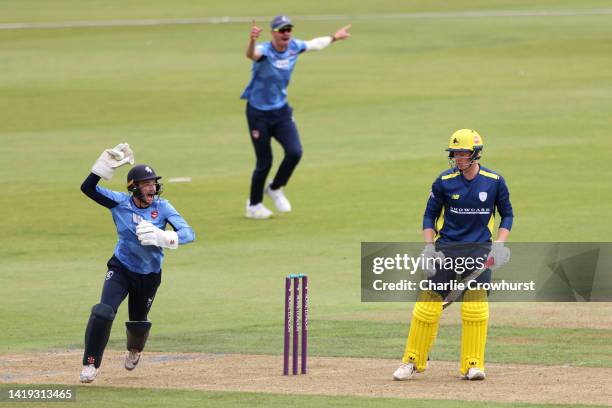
(327, 376)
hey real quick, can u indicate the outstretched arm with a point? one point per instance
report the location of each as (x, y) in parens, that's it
(251, 51)
(317, 44)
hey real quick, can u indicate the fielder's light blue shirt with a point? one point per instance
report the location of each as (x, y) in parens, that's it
(267, 89)
(143, 259)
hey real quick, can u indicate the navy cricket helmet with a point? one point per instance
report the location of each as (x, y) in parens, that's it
(142, 172)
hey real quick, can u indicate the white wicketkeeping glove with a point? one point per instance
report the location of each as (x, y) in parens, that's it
(149, 234)
(110, 159)
(500, 254)
(430, 256)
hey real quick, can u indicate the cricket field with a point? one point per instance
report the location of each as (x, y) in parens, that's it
(374, 114)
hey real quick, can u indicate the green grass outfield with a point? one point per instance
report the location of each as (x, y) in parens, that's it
(374, 115)
(112, 397)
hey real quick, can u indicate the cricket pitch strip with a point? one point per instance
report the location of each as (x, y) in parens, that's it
(326, 376)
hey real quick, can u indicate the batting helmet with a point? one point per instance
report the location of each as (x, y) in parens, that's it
(465, 140)
(142, 172)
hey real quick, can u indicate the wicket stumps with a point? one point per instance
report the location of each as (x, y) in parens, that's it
(294, 319)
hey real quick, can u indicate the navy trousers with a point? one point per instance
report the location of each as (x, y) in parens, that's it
(263, 125)
(120, 282)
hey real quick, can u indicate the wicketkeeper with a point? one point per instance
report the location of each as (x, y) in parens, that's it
(459, 218)
(268, 113)
(134, 270)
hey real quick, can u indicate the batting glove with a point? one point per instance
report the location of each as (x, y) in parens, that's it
(110, 159)
(149, 234)
(500, 254)
(430, 257)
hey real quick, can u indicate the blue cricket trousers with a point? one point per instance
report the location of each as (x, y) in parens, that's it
(278, 124)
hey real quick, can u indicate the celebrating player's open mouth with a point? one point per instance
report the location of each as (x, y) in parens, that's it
(148, 191)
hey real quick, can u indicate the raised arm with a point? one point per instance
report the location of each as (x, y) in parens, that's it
(251, 51)
(90, 189)
(104, 167)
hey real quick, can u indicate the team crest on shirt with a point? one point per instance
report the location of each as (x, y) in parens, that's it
(154, 214)
(483, 196)
(255, 134)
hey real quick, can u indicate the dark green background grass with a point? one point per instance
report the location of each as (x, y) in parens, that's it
(374, 114)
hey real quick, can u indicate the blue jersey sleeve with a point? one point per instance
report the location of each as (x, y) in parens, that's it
(434, 205)
(112, 195)
(503, 205)
(183, 230)
(300, 45)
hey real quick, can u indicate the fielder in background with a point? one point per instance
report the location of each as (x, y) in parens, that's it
(269, 114)
(460, 210)
(135, 267)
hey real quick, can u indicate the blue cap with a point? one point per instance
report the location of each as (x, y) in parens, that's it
(279, 22)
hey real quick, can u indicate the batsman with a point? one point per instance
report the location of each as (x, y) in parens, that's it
(134, 270)
(459, 218)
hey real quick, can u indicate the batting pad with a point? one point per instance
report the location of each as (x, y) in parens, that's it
(475, 316)
(423, 329)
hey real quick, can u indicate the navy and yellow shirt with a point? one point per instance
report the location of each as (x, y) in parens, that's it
(464, 211)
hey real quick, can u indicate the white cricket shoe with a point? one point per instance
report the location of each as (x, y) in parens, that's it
(258, 211)
(475, 374)
(131, 359)
(89, 373)
(280, 201)
(404, 372)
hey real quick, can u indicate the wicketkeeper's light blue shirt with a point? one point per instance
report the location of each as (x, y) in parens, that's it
(143, 259)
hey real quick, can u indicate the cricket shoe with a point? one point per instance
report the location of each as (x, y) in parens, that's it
(404, 372)
(131, 359)
(88, 374)
(257, 211)
(280, 201)
(475, 374)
